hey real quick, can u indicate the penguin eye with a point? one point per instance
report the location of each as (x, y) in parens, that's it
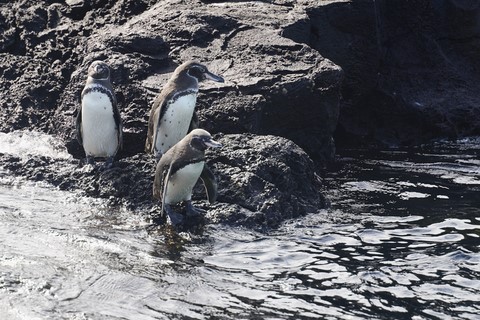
(199, 68)
(198, 143)
(197, 71)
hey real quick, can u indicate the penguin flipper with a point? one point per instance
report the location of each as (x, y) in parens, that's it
(120, 136)
(118, 122)
(153, 122)
(161, 171)
(148, 141)
(210, 183)
(194, 122)
(151, 125)
(78, 126)
(160, 183)
(165, 188)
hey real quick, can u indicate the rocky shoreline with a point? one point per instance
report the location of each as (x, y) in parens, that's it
(277, 113)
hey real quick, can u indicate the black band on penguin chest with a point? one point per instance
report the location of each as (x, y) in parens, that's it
(101, 89)
(179, 165)
(174, 98)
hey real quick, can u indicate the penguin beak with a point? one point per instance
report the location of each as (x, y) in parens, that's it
(213, 144)
(213, 77)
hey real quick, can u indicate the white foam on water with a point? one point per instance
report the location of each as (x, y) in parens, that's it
(25, 144)
(413, 195)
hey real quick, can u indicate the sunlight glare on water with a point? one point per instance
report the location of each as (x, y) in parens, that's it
(57, 259)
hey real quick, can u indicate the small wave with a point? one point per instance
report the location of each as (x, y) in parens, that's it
(31, 143)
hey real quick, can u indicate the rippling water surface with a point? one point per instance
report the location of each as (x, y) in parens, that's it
(400, 241)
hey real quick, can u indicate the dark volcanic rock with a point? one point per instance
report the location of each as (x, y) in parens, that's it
(274, 87)
(411, 74)
(251, 169)
(411, 67)
(263, 180)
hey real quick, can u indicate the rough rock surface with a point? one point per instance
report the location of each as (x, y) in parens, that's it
(273, 84)
(249, 174)
(274, 88)
(411, 74)
(411, 67)
(263, 180)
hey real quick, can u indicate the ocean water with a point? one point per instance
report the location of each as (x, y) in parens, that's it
(400, 241)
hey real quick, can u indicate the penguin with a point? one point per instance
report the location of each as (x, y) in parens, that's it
(179, 169)
(98, 125)
(173, 112)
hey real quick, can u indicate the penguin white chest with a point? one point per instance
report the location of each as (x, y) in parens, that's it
(180, 184)
(99, 130)
(174, 124)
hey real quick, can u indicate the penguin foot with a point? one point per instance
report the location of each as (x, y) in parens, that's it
(108, 164)
(87, 165)
(89, 160)
(192, 211)
(173, 218)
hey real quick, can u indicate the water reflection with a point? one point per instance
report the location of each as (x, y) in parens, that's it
(399, 242)
(359, 272)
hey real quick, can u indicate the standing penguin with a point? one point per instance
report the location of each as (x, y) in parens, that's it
(179, 169)
(172, 115)
(99, 127)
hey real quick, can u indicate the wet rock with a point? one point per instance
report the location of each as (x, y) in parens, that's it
(411, 74)
(264, 180)
(280, 96)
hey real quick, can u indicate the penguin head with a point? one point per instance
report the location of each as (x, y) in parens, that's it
(200, 72)
(99, 70)
(201, 139)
